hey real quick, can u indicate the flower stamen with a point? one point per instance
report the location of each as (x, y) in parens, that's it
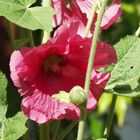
(53, 64)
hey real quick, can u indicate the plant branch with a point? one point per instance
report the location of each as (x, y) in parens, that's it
(109, 117)
(91, 17)
(11, 34)
(44, 132)
(57, 125)
(67, 130)
(31, 42)
(138, 31)
(89, 70)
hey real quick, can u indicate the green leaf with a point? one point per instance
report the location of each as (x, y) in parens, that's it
(13, 128)
(20, 13)
(96, 126)
(104, 104)
(107, 69)
(102, 139)
(3, 84)
(125, 77)
(121, 108)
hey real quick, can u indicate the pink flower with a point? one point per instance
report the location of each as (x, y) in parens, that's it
(58, 65)
(80, 10)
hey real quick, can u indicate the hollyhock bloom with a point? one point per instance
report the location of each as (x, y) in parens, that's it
(58, 65)
(112, 13)
(81, 9)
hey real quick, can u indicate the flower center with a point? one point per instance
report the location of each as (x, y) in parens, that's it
(54, 63)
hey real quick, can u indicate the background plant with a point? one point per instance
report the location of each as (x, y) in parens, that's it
(127, 67)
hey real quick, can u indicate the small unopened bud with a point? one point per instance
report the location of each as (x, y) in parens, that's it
(77, 96)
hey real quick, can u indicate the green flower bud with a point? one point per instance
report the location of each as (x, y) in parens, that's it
(78, 96)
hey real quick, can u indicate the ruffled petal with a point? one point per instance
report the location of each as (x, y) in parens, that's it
(64, 32)
(44, 109)
(111, 15)
(59, 7)
(105, 55)
(37, 87)
(41, 108)
(99, 81)
(85, 6)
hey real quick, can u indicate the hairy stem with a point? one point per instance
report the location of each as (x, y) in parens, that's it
(57, 125)
(109, 117)
(11, 34)
(26, 135)
(138, 31)
(67, 130)
(89, 70)
(31, 42)
(88, 26)
(44, 132)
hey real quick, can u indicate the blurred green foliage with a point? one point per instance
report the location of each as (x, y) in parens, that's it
(127, 24)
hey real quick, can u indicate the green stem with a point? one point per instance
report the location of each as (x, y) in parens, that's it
(44, 132)
(26, 136)
(109, 117)
(57, 125)
(46, 35)
(92, 13)
(11, 34)
(138, 31)
(82, 123)
(31, 42)
(48, 132)
(46, 3)
(89, 70)
(67, 130)
(93, 46)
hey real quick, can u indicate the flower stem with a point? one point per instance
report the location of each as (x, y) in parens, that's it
(46, 35)
(31, 42)
(44, 132)
(93, 46)
(67, 130)
(47, 132)
(82, 123)
(46, 3)
(11, 34)
(89, 70)
(57, 125)
(109, 117)
(92, 13)
(138, 31)
(26, 136)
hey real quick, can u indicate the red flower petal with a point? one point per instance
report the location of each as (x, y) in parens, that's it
(105, 55)
(80, 13)
(111, 15)
(37, 86)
